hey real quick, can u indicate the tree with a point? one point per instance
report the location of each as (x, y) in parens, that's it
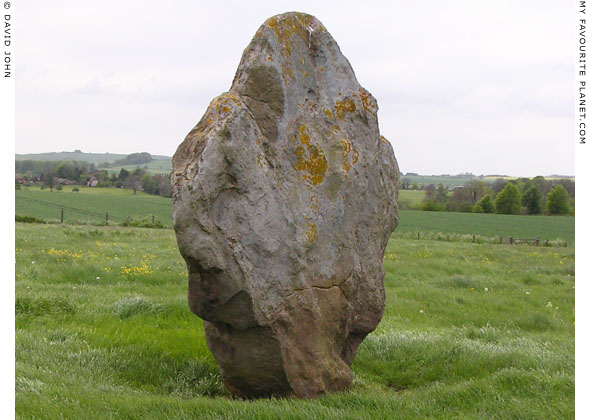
(442, 194)
(532, 200)
(48, 179)
(405, 183)
(508, 200)
(148, 184)
(464, 197)
(162, 185)
(498, 185)
(486, 204)
(123, 174)
(558, 200)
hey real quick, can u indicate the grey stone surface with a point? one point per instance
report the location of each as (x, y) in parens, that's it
(284, 199)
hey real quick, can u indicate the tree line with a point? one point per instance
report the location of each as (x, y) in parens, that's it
(521, 196)
(54, 174)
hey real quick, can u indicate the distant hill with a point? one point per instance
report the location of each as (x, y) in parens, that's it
(95, 158)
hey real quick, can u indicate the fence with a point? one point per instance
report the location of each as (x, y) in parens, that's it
(64, 213)
(479, 239)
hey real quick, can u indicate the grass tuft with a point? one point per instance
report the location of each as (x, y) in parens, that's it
(135, 305)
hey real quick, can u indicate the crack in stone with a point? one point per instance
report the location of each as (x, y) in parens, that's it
(314, 287)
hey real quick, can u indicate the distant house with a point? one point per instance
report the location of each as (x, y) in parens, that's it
(92, 182)
(62, 181)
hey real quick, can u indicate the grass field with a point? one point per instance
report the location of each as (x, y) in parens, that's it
(103, 331)
(437, 179)
(488, 225)
(90, 205)
(95, 158)
(160, 166)
(413, 197)
(121, 203)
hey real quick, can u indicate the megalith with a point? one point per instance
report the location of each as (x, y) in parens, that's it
(284, 199)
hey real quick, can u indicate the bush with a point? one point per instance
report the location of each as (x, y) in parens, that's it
(28, 219)
(146, 222)
(431, 205)
(558, 201)
(465, 208)
(59, 187)
(75, 189)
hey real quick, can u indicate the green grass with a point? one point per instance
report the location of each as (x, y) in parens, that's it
(121, 203)
(103, 330)
(160, 166)
(412, 197)
(438, 179)
(488, 225)
(90, 205)
(95, 158)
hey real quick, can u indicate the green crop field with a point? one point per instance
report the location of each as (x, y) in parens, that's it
(449, 181)
(121, 203)
(413, 197)
(488, 225)
(470, 331)
(159, 166)
(90, 205)
(95, 158)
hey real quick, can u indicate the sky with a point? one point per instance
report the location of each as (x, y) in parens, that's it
(480, 86)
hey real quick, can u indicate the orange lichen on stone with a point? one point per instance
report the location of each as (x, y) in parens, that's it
(295, 24)
(314, 202)
(368, 104)
(310, 158)
(260, 160)
(269, 58)
(346, 152)
(383, 139)
(328, 113)
(311, 234)
(341, 107)
(303, 136)
(333, 129)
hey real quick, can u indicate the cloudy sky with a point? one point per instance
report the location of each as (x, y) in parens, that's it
(482, 86)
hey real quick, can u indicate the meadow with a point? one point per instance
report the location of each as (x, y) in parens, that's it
(411, 198)
(157, 166)
(470, 331)
(90, 205)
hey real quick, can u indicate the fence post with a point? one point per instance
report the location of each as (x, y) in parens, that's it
(473, 238)
(448, 239)
(153, 219)
(510, 240)
(62, 216)
(418, 235)
(500, 239)
(537, 240)
(107, 218)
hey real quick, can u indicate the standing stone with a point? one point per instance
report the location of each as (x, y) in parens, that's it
(284, 200)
